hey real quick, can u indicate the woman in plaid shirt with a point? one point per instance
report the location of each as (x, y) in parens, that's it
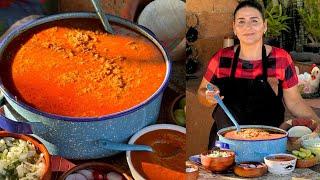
(254, 79)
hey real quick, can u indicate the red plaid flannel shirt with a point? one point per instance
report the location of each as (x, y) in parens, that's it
(280, 65)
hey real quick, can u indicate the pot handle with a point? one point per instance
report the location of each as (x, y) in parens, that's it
(122, 147)
(20, 127)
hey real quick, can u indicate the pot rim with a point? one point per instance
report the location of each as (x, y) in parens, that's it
(16, 32)
(222, 131)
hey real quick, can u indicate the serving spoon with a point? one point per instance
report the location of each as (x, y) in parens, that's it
(102, 16)
(225, 109)
(161, 149)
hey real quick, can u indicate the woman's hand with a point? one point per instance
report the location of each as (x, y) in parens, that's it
(210, 95)
(205, 96)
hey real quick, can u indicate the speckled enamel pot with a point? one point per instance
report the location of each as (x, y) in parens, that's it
(82, 138)
(254, 150)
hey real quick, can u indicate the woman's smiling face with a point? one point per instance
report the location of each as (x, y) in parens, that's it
(249, 25)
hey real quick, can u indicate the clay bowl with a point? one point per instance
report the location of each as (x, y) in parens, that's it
(192, 171)
(306, 163)
(250, 169)
(98, 166)
(217, 164)
(39, 146)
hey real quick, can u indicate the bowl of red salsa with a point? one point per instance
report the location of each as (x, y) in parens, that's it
(167, 161)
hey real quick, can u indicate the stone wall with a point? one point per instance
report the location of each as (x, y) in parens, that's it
(214, 23)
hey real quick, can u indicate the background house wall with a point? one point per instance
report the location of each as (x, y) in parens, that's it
(214, 23)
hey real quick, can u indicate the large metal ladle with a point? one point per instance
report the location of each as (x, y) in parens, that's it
(102, 16)
(225, 109)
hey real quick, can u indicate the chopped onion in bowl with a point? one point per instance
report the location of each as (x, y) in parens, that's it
(215, 154)
(19, 159)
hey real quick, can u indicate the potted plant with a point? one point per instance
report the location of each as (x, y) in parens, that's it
(310, 16)
(277, 23)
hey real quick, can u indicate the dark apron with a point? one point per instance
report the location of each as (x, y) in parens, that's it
(251, 101)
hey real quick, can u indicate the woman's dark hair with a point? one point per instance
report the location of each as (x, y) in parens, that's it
(249, 3)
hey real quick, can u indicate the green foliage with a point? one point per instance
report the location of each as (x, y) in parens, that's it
(276, 20)
(310, 15)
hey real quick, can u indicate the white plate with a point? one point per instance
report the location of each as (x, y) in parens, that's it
(167, 20)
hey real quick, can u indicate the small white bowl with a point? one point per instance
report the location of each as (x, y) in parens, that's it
(278, 166)
(143, 131)
(308, 140)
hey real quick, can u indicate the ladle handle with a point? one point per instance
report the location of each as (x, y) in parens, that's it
(123, 147)
(102, 16)
(225, 109)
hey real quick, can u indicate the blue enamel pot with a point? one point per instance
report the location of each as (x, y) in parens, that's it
(254, 150)
(81, 138)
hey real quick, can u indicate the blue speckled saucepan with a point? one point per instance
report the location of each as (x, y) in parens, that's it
(254, 150)
(82, 138)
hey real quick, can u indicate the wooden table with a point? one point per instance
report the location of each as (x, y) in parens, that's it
(308, 173)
